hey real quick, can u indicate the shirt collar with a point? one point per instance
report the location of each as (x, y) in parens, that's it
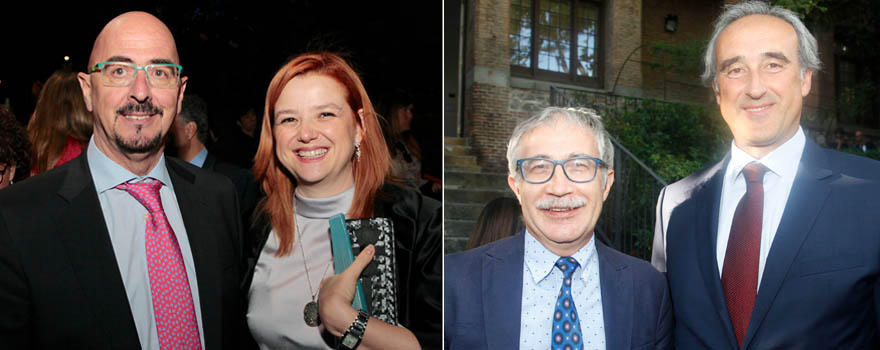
(199, 159)
(782, 161)
(107, 174)
(540, 261)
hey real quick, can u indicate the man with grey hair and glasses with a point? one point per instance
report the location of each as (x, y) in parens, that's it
(777, 246)
(554, 285)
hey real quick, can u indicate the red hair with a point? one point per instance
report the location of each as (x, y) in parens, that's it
(370, 171)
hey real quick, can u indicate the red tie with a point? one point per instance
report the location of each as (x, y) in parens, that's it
(172, 299)
(739, 276)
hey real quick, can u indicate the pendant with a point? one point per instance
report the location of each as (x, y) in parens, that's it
(310, 314)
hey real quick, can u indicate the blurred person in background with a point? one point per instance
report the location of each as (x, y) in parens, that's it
(239, 145)
(406, 152)
(14, 147)
(61, 125)
(190, 132)
(501, 218)
(862, 143)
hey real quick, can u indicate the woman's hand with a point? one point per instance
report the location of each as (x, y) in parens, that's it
(337, 293)
(337, 314)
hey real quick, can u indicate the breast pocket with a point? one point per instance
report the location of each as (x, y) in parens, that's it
(830, 264)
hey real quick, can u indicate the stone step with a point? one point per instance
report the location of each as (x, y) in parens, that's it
(473, 196)
(460, 141)
(454, 244)
(459, 179)
(458, 228)
(450, 168)
(460, 160)
(463, 211)
(457, 150)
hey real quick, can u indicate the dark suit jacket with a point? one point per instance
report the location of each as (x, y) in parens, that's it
(60, 286)
(819, 289)
(249, 193)
(482, 303)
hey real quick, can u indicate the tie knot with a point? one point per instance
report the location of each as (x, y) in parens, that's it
(147, 193)
(754, 172)
(567, 264)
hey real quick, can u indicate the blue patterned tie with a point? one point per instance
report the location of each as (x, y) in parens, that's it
(566, 327)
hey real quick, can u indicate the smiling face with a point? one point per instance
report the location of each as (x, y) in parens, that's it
(559, 213)
(315, 131)
(131, 121)
(760, 89)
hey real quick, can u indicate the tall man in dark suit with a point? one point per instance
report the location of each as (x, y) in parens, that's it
(122, 248)
(777, 246)
(555, 285)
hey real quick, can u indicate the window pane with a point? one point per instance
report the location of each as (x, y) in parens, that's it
(554, 35)
(520, 33)
(587, 32)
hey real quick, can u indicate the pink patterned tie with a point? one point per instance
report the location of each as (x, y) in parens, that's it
(172, 299)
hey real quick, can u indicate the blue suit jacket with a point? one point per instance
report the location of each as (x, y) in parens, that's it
(819, 289)
(482, 300)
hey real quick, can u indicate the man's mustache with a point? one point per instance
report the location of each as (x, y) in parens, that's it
(146, 107)
(569, 202)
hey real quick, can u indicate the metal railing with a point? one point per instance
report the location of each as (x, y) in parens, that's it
(627, 220)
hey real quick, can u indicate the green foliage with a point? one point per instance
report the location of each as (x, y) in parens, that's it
(873, 154)
(673, 139)
(682, 58)
(803, 7)
(855, 103)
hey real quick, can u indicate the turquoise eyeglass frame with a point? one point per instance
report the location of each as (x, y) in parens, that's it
(98, 67)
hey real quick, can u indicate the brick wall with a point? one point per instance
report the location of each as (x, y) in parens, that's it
(487, 86)
(623, 35)
(680, 84)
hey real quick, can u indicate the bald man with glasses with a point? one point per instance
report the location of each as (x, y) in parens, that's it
(123, 248)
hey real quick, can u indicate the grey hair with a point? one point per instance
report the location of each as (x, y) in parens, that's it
(585, 118)
(808, 49)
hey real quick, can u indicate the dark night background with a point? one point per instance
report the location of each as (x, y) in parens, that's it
(231, 49)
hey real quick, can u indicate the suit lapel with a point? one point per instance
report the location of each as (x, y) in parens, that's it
(190, 201)
(707, 202)
(617, 299)
(502, 293)
(807, 196)
(83, 231)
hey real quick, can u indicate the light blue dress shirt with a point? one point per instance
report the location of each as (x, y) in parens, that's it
(199, 159)
(541, 284)
(126, 220)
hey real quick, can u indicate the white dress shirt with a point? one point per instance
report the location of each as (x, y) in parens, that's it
(542, 281)
(126, 220)
(782, 164)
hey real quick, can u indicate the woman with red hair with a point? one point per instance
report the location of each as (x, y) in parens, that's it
(322, 152)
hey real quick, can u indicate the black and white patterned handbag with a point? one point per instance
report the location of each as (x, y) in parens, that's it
(379, 278)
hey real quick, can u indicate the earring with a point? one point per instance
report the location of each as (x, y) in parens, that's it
(357, 149)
